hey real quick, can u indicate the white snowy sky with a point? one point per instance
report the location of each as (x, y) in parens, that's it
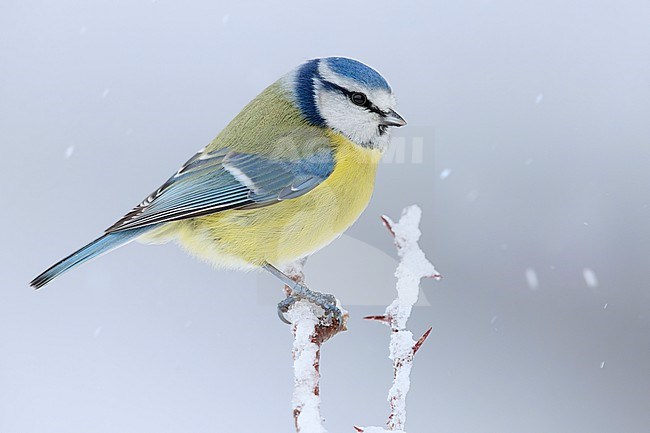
(528, 149)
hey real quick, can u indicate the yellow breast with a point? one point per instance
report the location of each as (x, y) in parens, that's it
(290, 229)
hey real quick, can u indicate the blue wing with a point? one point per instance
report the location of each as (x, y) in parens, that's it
(215, 181)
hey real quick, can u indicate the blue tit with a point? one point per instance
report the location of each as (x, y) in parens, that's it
(289, 174)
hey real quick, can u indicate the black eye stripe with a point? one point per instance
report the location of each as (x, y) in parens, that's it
(367, 105)
(375, 109)
(331, 86)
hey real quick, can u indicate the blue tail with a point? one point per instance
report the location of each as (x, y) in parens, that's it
(99, 246)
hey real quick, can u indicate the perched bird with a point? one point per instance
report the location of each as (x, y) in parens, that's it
(290, 173)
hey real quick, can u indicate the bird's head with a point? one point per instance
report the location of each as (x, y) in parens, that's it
(346, 96)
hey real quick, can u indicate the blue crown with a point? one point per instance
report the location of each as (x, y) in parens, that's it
(352, 69)
(357, 71)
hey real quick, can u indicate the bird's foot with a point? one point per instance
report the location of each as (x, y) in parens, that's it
(332, 315)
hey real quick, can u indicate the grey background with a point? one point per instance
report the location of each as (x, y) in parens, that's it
(539, 112)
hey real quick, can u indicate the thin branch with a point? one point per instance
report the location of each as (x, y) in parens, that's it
(310, 332)
(412, 268)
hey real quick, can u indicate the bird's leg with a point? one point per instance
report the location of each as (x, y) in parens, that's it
(297, 291)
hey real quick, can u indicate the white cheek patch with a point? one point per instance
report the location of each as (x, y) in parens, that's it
(358, 124)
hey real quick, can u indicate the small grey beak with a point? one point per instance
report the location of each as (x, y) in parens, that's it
(391, 118)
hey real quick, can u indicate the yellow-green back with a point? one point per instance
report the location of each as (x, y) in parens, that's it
(289, 229)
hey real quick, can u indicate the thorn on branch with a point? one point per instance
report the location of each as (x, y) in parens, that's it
(359, 429)
(388, 223)
(383, 318)
(421, 341)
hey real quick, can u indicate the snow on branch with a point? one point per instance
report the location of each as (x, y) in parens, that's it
(310, 332)
(412, 268)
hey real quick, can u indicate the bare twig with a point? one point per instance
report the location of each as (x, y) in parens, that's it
(310, 332)
(412, 268)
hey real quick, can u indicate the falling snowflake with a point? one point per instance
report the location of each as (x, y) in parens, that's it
(590, 277)
(531, 279)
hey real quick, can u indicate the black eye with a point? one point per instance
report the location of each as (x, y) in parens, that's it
(358, 98)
